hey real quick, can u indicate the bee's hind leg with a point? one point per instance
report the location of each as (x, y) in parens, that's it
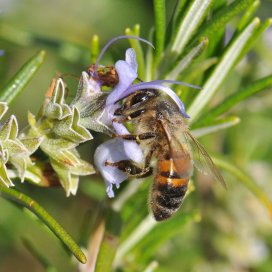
(131, 168)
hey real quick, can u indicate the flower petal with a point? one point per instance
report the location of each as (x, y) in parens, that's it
(131, 149)
(111, 151)
(131, 59)
(155, 85)
(127, 73)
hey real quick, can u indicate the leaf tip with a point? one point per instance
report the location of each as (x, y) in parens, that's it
(83, 259)
(257, 21)
(197, 217)
(269, 21)
(95, 38)
(42, 54)
(128, 31)
(204, 40)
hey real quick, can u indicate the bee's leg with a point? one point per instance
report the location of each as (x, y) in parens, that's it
(129, 117)
(131, 168)
(137, 138)
(148, 157)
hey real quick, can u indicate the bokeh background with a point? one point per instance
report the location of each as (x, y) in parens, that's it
(235, 232)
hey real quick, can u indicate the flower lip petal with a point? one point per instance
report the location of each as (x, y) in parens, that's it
(176, 82)
(131, 148)
(157, 85)
(116, 39)
(112, 151)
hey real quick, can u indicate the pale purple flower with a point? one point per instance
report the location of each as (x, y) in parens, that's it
(2, 52)
(118, 149)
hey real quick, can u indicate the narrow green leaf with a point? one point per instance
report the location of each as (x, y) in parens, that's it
(216, 126)
(50, 222)
(149, 65)
(125, 195)
(179, 12)
(198, 69)
(187, 60)
(94, 50)
(232, 100)
(257, 33)
(22, 78)
(159, 10)
(136, 45)
(151, 267)
(109, 243)
(161, 233)
(220, 19)
(221, 71)
(247, 181)
(175, 20)
(145, 227)
(248, 15)
(190, 23)
(37, 255)
(95, 243)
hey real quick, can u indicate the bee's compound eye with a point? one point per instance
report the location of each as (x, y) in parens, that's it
(141, 97)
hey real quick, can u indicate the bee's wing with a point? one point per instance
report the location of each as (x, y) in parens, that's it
(202, 160)
(179, 150)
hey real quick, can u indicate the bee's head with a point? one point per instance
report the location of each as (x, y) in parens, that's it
(138, 99)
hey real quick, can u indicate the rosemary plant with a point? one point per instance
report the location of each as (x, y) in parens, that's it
(189, 46)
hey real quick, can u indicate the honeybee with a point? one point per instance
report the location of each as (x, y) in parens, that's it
(162, 132)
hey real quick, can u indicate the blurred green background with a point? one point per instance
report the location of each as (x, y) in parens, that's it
(235, 233)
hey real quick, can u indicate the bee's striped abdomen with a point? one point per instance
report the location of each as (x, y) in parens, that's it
(168, 190)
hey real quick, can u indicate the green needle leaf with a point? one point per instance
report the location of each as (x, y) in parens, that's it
(37, 255)
(56, 228)
(136, 45)
(221, 71)
(247, 181)
(248, 15)
(187, 59)
(149, 68)
(22, 78)
(94, 50)
(256, 35)
(159, 10)
(222, 17)
(190, 23)
(109, 242)
(145, 227)
(163, 232)
(216, 126)
(232, 100)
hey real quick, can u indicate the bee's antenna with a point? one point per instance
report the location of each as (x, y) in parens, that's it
(113, 40)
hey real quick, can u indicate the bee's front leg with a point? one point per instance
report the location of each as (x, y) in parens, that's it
(122, 118)
(137, 138)
(131, 168)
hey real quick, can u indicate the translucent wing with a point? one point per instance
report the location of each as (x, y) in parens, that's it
(202, 160)
(179, 151)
